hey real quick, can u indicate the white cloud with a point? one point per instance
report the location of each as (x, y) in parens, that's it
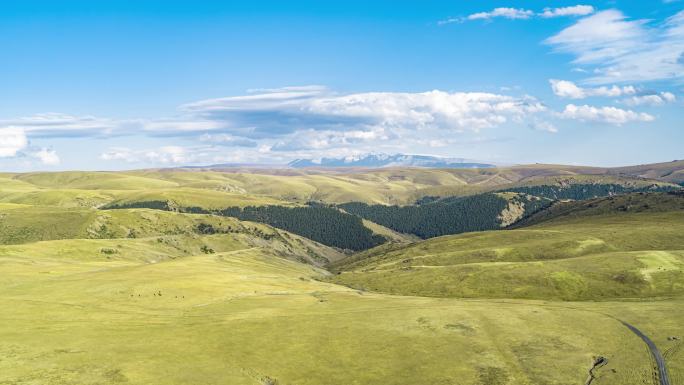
(312, 89)
(653, 99)
(541, 125)
(521, 13)
(621, 50)
(175, 156)
(568, 89)
(580, 70)
(120, 153)
(178, 126)
(504, 12)
(284, 121)
(311, 121)
(14, 143)
(52, 125)
(170, 155)
(610, 115)
(12, 140)
(321, 140)
(283, 112)
(64, 125)
(451, 20)
(576, 10)
(227, 140)
(47, 156)
(164, 155)
(603, 36)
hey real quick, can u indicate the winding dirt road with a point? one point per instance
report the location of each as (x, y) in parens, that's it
(663, 377)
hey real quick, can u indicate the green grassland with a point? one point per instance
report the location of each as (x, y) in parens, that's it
(245, 187)
(70, 198)
(92, 180)
(141, 296)
(21, 224)
(391, 186)
(668, 171)
(193, 197)
(620, 254)
(247, 317)
(628, 203)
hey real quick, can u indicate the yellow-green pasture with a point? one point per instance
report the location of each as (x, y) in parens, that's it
(242, 316)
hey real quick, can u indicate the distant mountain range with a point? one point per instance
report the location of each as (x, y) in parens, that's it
(385, 160)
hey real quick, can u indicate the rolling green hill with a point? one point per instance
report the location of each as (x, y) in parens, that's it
(20, 224)
(320, 223)
(371, 186)
(57, 197)
(666, 171)
(486, 211)
(179, 295)
(627, 203)
(151, 314)
(195, 197)
(92, 180)
(602, 252)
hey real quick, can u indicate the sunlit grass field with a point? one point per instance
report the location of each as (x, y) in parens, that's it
(139, 296)
(247, 317)
(599, 257)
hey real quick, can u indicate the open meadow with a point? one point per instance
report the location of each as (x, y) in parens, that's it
(144, 296)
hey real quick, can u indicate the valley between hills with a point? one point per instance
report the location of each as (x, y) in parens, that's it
(534, 274)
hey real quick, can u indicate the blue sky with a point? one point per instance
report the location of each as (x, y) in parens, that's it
(133, 84)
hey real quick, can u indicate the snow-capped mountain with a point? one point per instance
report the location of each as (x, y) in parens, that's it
(385, 160)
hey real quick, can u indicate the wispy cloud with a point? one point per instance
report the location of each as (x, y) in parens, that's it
(575, 10)
(15, 143)
(165, 155)
(322, 140)
(175, 155)
(227, 140)
(312, 120)
(622, 50)
(634, 96)
(64, 125)
(609, 115)
(290, 119)
(12, 140)
(46, 156)
(522, 14)
(651, 99)
(503, 12)
(568, 89)
(542, 125)
(281, 112)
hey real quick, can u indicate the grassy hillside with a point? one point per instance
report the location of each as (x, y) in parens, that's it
(246, 317)
(194, 197)
(380, 186)
(431, 216)
(139, 296)
(614, 254)
(92, 180)
(320, 223)
(667, 171)
(23, 224)
(57, 197)
(628, 203)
